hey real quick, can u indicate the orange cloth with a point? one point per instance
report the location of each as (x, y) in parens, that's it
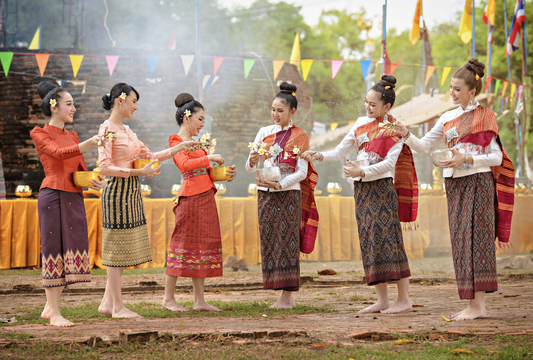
(60, 155)
(188, 161)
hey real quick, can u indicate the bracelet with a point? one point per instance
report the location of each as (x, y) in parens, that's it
(321, 157)
(250, 163)
(362, 175)
(406, 136)
(278, 186)
(466, 159)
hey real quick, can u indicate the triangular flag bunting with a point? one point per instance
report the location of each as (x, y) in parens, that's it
(386, 68)
(334, 126)
(487, 84)
(36, 41)
(520, 89)
(208, 81)
(76, 60)
(506, 99)
(295, 53)
(394, 66)
(42, 60)
(187, 62)
(429, 72)
(505, 83)
(5, 58)
(445, 73)
(335, 66)
(513, 88)
(217, 60)
(497, 86)
(277, 64)
(111, 62)
(365, 64)
(205, 80)
(248, 64)
(152, 62)
(306, 67)
(172, 43)
(61, 82)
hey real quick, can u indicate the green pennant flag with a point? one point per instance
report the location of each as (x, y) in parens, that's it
(248, 64)
(497, 87)
(5, 58)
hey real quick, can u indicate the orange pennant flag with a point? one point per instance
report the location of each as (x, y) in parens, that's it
(277, 64)
(76, 60)
(42, 60)
(505, 83)
(394, 66)
(429, 72)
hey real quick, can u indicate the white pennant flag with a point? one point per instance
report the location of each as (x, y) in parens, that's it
(187, 62)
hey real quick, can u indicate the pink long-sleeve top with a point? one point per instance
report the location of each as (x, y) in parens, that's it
(116, 157)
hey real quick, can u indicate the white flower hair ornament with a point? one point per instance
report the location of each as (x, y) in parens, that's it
(53, 102)
(187, 112)
(123, 96)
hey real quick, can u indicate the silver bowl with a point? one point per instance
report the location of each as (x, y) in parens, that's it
(270, 174)
(438, 155)
(363, 162)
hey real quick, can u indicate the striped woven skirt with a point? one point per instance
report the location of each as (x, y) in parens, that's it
(196, 246)
(280, 215)
(472, 220)
(125, 234)
(380, 231)
(65, 246)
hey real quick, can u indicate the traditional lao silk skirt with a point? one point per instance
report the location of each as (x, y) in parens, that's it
(280, 214)
(125, 234)
(65, 245)
(380, 231)
(471, 218)
(196, 246)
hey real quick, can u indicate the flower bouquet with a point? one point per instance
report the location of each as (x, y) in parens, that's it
(109, 135)
(272, 173)
(387, 125)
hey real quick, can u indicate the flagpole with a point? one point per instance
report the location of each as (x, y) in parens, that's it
(507, 39)
(384, 46)
(524, 123)
(198, 54)
(473, 28)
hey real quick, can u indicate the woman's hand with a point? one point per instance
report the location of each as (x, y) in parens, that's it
(311, 155)
(455, 161)
(216, 158)
(232, 173)
(401, 128)
(254, 158)
(351, 169)
(186, 145)
(266, 183)
(98, 184)
(149, 172)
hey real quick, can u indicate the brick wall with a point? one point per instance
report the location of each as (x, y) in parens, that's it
(238, 108)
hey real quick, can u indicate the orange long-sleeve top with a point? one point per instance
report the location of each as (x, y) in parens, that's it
(60, 155)
(189, 161)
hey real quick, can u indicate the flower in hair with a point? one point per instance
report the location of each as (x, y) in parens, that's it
(293, 93)
(53, 102)
(477, 77)
(187, 112)
(387, 87)
(123, 96)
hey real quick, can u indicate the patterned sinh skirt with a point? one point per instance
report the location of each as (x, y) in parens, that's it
(65, 246)
(125, 235)
(196, 246)
(380, 231)
(280, 215)
(472, 231)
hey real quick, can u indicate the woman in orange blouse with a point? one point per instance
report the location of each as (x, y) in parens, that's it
(125, 234)
(62, 221)
(196, 247)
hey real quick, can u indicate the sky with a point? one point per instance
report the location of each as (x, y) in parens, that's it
(399, 13)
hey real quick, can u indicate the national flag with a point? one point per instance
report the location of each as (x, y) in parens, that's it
(489, 15)
(518, 18)
(414, 35)
(465, 31)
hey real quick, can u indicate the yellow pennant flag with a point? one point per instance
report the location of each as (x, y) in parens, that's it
(306, 67)
(430, 70)
(278, 64)
(445, 73)
(295, 54)
(36, 41)
(465, 31)
(513, 88)
(76, 60)
(414, 35)
(334, 126)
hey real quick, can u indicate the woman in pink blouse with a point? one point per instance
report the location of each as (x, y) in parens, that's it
(125, 235)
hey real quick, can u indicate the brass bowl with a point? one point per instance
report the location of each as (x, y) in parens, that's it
(140, 163)
(252, 189)
(318, 192)
(221, 189)
(438, 155)
(145, 190)
(272, 173)
(23, 191)
(333, 188)
(219, 173)
(175, 189)
(82, 179)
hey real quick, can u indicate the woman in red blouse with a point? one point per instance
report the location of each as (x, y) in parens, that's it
(62, 221)
(196, 247)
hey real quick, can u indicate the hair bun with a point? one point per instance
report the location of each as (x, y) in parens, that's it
(182, 99)
(106, 102)
(387, 80)
(44, 88)
(476, 66)
(287, 88)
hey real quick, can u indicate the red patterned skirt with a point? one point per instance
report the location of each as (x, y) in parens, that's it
(472, 231)
(380, 231)
(196, 247)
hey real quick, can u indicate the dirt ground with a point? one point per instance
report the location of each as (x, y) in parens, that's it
(432, 289)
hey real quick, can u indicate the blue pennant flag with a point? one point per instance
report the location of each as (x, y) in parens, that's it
(152, 61)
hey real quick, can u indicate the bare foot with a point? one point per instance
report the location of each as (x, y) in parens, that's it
(205, 307)
(125, 313)
(398, 307)
(58, 320)
(172, 305)
(283, 305)
(456, 315)
(46, 312)
(105, 309)
(375, 308)
(471, 313)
